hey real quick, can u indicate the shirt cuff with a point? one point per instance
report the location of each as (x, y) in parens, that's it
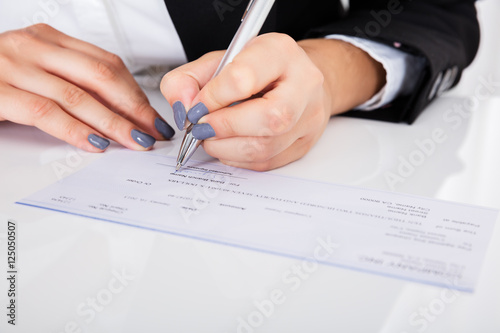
(400, 67)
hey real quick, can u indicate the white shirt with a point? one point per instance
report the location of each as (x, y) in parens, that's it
(143, 34)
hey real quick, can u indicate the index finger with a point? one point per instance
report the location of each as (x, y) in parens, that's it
(262, 62)
(182, 84)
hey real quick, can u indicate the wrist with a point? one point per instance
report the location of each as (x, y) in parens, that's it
(352, 76)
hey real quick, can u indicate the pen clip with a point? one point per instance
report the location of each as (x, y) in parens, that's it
(247, 10)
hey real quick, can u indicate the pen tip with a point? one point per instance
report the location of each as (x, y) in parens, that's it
(178, 167)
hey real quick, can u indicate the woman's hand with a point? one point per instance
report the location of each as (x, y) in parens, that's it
(288, 91)
(74, 91)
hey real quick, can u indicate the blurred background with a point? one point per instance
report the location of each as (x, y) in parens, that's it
(487, 61)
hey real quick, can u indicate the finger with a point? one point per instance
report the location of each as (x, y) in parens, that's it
(107, 83)
(28, 109)
(249, 149)
(261, 149)
(56, 37)
(81, 106)
(296, 151)
(96, 52)
(181, 85)
(276, 113)
(260, 63)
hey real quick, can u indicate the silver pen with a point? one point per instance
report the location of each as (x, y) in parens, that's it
(251, 23)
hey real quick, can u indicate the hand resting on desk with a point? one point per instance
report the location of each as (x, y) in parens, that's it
(74, 91)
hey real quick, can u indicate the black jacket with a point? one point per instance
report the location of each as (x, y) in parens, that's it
(444, 32)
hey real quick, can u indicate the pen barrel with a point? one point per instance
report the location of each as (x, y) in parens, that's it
(251, 24)
(250, 27)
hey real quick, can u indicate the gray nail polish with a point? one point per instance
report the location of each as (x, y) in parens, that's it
(165, 129)
(179, 115)
(98, 142)
(203, 131)
(197, 112)
(143, 139)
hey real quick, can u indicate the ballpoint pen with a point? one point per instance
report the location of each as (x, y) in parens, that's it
(251, 23)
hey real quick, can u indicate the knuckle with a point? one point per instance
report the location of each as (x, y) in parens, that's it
(281, 119)
(136, 103)
(23, 34)
(109, 124)
(142, 109)
(34, 32)
(283, 42)
(104, 71)
(140, 96)
(42, 27)
(17, 38)
(114, 60)
(242, 78)
(247, 150)
(227, 127)
(73, 96)
(42, 107)
(71, 129)
(257, 149)
(39, 28)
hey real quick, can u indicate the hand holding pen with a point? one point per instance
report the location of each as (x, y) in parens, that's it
(286, 90)
(251, 23)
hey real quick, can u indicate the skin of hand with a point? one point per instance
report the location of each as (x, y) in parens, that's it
(287, 90)
(74, 91)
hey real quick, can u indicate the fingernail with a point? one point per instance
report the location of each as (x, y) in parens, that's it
(203, 131)
(165, 129)
(98, 142)
(197, 112)
(143, 139)
(179, 115)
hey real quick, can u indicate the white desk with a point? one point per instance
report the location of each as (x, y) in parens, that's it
(183, 285)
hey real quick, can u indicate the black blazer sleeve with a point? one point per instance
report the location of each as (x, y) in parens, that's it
(444, 32)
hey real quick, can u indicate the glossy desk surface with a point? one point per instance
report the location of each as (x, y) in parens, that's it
(83, 275)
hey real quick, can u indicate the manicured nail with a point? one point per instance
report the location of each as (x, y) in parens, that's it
(179, 115)
(197, 112)
(165, 129)
(203, 131)
(98, 142)
(143, 139)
